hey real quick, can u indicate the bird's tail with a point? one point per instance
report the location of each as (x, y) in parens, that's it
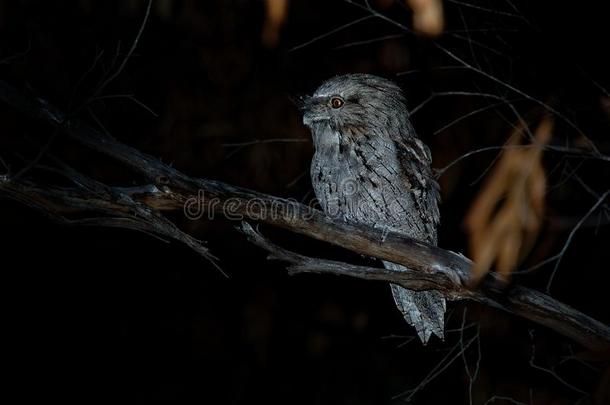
(424, 310)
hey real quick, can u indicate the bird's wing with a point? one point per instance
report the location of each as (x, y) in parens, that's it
(415, 159)
(424, 310)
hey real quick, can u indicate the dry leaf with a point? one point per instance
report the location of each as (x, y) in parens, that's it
(427, 16)
(276, 12)
(505, 217)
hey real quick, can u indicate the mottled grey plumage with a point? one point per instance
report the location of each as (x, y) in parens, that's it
(370, 167)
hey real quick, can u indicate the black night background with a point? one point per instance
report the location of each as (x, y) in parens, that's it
(109, 314)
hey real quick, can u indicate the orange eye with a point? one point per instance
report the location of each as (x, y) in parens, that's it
(336, 102)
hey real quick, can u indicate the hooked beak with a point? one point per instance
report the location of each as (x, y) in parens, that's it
(304, 103)
(311, 109)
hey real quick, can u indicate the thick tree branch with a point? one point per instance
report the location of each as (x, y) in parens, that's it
(168, 189)
(529, 304)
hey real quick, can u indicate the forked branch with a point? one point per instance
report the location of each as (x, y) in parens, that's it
(166, 188)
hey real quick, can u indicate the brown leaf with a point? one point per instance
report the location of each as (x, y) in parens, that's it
(505, 217)
(427, 16)
(276, 12)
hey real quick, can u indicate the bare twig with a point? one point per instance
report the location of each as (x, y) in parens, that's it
(240, 145)
(498, 398)
(559, 256)
(519, 92)
(96, 59)
(372, 12)
(368, 41)
(134, 45)
(549, 371)
(168, 189)
(487, 10)
(41, 152)
(455, 93)
(9, 59)
(472, 376)
(552, 148)
(129, 97)
(333, 31)
(451, 356)
(470, 114)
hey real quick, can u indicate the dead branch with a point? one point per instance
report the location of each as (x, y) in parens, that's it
(166, 188)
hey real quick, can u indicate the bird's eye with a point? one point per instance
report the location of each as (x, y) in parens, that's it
(336, 102)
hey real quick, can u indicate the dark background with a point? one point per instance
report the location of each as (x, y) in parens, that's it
(96, 314)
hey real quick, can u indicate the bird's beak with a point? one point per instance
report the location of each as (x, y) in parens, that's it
(310, 108)
(304, 103)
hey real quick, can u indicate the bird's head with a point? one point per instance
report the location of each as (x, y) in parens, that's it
(355, 102)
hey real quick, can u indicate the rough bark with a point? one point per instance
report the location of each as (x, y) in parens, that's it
(91, 202)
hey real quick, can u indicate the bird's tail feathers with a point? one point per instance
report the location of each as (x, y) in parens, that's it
(424, 310)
